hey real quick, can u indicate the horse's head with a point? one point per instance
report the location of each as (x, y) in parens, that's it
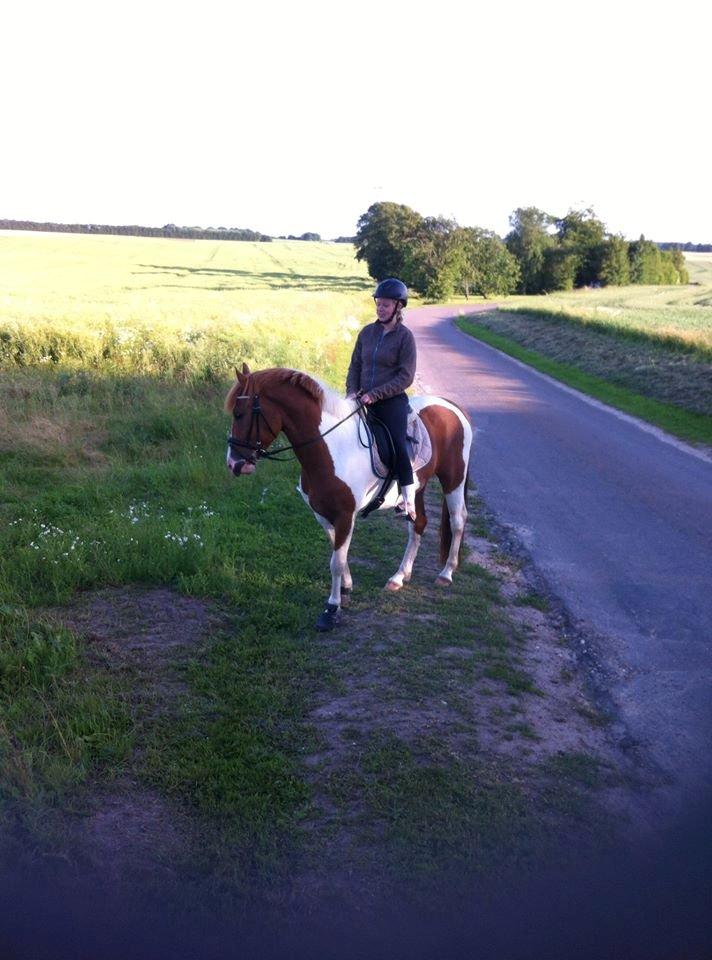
(256, 421)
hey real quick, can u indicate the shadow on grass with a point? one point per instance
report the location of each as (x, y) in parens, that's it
(272, 280)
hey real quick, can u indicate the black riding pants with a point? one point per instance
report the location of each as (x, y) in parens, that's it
(394, 413)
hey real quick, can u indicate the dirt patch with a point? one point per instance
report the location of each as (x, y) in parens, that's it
(143, 637)
(564, 716)
(138, 625)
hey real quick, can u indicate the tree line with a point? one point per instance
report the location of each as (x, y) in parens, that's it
(314, 237)
(134, 230)
(687, 247)
(438, 258)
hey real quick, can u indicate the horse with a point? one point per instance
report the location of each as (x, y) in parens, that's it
(337, 479)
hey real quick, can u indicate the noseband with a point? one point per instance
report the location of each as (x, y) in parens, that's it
(257, 415)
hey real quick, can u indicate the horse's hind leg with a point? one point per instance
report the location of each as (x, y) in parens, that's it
(415, 533)
(451, 540)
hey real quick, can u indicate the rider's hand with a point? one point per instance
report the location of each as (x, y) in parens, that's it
(366, 398)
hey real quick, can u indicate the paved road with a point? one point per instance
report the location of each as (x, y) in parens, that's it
(616, 520)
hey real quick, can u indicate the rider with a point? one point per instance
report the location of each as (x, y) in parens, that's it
(382, 366)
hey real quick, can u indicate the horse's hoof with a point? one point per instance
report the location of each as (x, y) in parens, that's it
(393, 586)
(345, 596)
(443, 582)
(328, 618)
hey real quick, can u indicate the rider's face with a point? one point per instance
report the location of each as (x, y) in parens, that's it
(385, 308)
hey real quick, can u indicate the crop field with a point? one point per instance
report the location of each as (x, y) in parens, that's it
(179, 308)
(646, 350)
(169, 719)
(675, 316)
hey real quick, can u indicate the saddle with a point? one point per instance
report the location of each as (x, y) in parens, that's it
(418, 440)
(382, 459)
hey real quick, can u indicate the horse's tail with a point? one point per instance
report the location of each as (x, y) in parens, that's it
(446, 529)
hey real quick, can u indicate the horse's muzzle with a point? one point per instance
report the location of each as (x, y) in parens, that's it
(239, 466)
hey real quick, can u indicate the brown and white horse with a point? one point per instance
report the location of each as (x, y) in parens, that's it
(337, 479)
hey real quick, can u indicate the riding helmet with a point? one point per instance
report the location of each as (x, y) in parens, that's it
(392, 289)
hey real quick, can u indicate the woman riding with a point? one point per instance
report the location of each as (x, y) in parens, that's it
(382, 366)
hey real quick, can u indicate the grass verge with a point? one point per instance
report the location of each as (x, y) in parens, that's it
(688, 425)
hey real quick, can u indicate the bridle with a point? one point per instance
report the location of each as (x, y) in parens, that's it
(257, 417)
(256, 447)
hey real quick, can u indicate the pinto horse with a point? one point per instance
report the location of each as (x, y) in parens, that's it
(337, 479)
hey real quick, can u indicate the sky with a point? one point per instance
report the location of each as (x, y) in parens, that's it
(288, 117)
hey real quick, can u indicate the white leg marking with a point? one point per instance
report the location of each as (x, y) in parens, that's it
(403, 574)
(339, 566)
(458, 517)
(339, 561)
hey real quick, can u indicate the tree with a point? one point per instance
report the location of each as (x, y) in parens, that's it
(432, 258)
(528, 241)
(615, 265)
(668, 271)
(678, 260)
(559, 269)
(383, 235)
(486, 265)
(583, 234)
(645, 261)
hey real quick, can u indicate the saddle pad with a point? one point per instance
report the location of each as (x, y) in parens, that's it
(419, 444)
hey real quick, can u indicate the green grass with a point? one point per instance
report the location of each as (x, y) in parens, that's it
(532, 599)
(688, 425)
(479, 818)
(678, 317)
(60, 719)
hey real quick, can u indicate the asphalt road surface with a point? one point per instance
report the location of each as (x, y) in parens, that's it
(617, 519)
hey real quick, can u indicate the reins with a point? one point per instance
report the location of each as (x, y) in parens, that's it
(261, 451)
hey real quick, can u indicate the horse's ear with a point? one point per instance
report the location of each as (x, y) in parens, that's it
(245, 369)
(237, 374)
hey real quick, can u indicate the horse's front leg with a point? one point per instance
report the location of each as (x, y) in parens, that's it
(340, 537)
(415, 533)
(347, 585)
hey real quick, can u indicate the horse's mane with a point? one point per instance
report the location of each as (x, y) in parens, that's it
(329, 400)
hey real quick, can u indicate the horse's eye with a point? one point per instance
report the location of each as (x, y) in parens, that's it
(236, 416)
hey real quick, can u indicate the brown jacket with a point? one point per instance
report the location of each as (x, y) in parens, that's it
(382, 364)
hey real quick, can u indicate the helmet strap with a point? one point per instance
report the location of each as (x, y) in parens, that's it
(395, 311)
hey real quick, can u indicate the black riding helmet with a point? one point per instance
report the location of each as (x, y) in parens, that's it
(392, 289)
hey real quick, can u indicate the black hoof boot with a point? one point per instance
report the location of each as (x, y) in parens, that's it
(329, 617)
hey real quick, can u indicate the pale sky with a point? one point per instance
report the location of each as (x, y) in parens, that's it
(293, 117)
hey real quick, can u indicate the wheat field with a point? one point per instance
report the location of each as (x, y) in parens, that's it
(179, 308)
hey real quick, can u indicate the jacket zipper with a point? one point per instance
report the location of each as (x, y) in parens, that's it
(373, 362)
